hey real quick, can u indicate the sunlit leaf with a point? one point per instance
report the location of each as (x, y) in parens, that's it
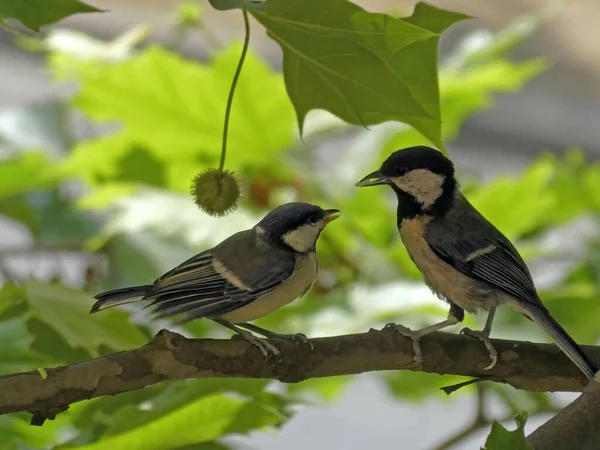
(365, 68)
(172, 113)
(27, 172)
(327, 389)
(201, 420)
(36, 13)
(416, 386)
(177, 396)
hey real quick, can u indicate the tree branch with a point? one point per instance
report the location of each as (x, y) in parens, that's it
(170, 356)
(577, 426)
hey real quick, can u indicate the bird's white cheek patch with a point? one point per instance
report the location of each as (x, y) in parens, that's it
(303, 238)
(423, 185)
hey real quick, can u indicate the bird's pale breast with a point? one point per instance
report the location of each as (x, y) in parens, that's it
(295, 286)
(443, 279)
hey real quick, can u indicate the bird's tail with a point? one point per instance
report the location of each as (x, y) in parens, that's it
(119, 297)
(561, 338)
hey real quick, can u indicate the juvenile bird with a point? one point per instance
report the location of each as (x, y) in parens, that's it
(247, 276)
(464, 259)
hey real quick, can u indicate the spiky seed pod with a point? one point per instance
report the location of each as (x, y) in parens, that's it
(216, 192)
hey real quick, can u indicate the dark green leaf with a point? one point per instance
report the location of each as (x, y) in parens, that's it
(366, 68)
(225, 5)
(502, 439)
(36, 13)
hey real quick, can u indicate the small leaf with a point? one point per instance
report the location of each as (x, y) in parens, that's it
(365, 68)
(36, 13)
(502, 439)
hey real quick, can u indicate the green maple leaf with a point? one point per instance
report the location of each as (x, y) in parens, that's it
(36, 13)
(366, 68)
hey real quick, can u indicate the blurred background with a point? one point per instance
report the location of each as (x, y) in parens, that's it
(104, 120)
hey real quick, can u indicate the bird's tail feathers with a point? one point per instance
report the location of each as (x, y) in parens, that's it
(119, 297)
(561, 338)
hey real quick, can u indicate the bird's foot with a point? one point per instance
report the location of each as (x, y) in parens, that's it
(485, 338)
(411, 334)
(265, 347)
(298, 337)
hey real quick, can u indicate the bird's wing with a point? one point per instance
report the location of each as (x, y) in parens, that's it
(222, 279)
(473, 246)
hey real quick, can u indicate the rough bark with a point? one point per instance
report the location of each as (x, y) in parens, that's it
(577, 426)
(170, 356)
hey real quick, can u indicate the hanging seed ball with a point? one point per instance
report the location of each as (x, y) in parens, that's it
(216, 192)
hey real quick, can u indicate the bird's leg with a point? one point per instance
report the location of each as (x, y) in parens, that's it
(298, 337)
(455, 315)
(484, 336)
(265, 347)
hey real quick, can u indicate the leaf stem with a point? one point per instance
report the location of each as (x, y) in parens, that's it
(232, 89)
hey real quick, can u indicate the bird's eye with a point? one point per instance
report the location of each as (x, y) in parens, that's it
(400, 171)
(313, 219)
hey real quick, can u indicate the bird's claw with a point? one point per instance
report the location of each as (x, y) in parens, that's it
(411, 334)
(266, 348)
(483, 337)
(298, 337)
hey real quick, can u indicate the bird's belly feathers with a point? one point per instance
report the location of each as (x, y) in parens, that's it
(445, 281)
(295, 286)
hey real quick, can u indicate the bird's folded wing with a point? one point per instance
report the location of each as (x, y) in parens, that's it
(485, 255)
(220, 280)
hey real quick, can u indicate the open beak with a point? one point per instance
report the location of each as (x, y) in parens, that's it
(373, 179)
(330, 215)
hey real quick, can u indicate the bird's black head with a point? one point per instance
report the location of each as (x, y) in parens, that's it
(296, 225)
(423, 179)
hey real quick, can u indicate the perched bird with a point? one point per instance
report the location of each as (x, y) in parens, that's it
(464, 259)
(247, 276)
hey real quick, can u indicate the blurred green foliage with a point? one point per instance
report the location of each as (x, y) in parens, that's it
(115, 201)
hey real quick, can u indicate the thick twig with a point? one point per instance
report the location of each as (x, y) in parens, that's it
(170, 356)
(577, 426)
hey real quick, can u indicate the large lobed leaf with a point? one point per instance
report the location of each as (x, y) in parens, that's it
(366, 68)
(172, 114)
(36, 13)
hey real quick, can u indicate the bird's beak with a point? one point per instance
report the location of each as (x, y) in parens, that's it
(330, 215)
(373, 179)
